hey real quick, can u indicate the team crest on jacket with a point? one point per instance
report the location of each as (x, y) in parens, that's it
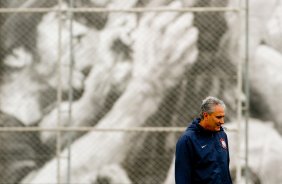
(223, 143)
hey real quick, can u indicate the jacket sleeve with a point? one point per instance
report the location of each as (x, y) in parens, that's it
(183, 161)
(228, 157)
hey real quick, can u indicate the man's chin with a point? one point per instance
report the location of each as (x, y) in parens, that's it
(217, 129)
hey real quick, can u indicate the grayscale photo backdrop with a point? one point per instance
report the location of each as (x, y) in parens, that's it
(128, 70)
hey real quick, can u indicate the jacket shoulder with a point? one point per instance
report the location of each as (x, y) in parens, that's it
(186, 136)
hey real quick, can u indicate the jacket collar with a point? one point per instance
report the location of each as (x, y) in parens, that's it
(195, 126)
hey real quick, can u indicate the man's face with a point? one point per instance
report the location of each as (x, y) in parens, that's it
(215, 119)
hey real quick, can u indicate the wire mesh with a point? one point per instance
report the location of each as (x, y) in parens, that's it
(138, 64)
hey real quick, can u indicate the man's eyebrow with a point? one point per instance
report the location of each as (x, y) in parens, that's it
(219, 116)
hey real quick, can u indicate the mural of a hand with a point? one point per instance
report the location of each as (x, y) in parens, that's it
(165, 44)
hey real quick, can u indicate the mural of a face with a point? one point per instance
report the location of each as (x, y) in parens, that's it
(36, 72)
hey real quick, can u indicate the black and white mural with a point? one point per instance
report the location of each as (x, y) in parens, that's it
(127, 70)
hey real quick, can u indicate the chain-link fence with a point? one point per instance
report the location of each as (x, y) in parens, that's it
(99, 91)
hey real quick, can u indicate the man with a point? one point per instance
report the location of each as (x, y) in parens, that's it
(202, 155)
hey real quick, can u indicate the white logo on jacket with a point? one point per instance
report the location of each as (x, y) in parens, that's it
(223, 143)
(204, 146)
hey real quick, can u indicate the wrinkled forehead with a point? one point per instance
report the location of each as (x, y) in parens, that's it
(219, 109)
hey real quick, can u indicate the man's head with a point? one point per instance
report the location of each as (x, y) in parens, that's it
(212, 113)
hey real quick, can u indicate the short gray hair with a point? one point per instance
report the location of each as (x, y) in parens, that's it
(208, 105)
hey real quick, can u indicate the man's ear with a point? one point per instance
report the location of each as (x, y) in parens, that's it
(205, 114)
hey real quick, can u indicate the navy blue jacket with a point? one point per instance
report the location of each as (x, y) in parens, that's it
(202, 156)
